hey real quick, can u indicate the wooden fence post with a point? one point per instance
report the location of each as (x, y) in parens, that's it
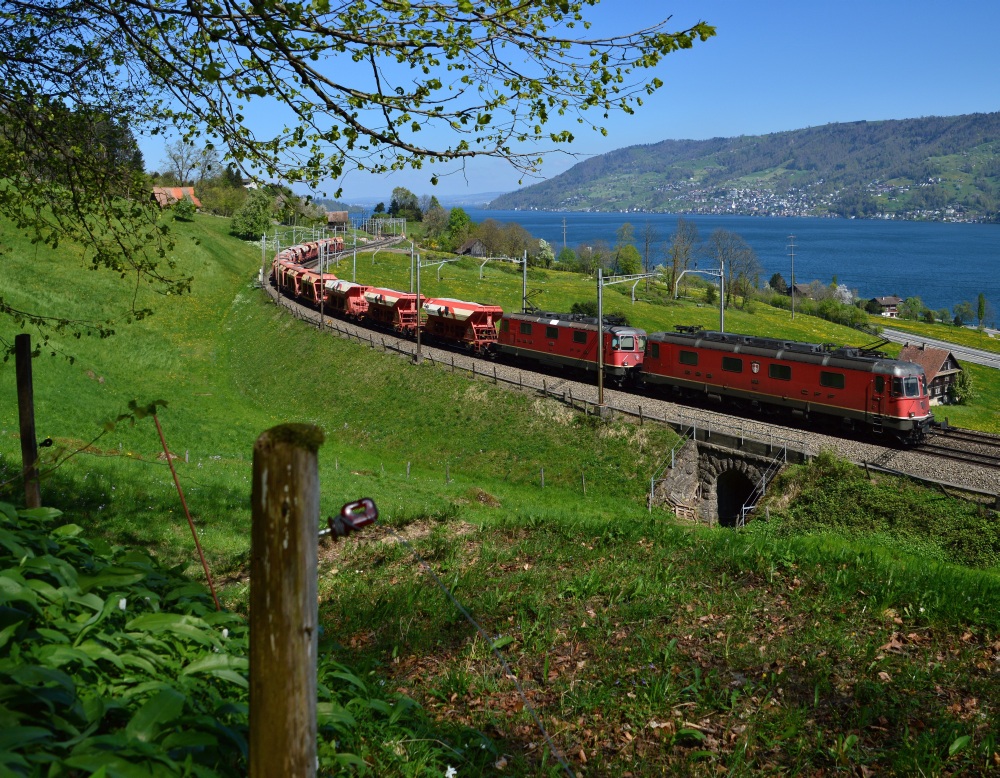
(283, 601)
(26, 420)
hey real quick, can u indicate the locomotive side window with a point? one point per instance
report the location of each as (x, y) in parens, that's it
(688, 357)
(642, 343)
(879, 384)
(831, 380)
(579, 336)
(654, 350)
(732, 365)
(525, 327)
(627, 343)
(897, 387)
(505, 325)
(780, 372)
(552, 332)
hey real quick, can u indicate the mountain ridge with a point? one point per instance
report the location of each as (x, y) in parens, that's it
(935, 168)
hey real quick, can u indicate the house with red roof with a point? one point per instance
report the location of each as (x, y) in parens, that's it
(166, 196)
(939, 365)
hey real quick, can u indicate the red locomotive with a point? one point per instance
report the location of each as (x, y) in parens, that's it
(467, 325)
(570, 340)
(852, 384)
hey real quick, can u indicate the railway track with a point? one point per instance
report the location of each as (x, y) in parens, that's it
(961, 445)
(981, 474)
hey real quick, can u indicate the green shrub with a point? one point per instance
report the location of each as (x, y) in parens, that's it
(184, 209)
(834, 496)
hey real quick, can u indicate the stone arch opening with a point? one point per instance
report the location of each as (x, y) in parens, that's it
(732, 488)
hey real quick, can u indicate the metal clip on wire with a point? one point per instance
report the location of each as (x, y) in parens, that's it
(352, 517)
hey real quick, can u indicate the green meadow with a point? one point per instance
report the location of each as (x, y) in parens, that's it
(845, 635)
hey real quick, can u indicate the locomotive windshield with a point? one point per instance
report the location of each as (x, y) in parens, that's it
(906, 387)
(626, 343)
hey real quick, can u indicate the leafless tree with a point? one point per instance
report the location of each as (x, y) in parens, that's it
(681, 250)
(739, 262)
(209, 165)
(649, 237)
(182, 160)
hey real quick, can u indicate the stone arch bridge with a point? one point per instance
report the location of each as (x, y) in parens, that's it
(714, 475)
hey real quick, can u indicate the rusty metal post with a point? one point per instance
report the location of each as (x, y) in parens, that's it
(26, 419)
(283, 602)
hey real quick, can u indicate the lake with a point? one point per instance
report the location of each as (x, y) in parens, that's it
(942, 263)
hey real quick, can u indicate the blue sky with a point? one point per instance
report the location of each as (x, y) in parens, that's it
(772, 66)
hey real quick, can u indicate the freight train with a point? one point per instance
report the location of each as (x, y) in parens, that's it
(859, 387)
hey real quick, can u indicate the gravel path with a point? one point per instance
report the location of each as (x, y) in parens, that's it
(908, 462)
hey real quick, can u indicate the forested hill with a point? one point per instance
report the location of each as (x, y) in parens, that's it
(942, 168)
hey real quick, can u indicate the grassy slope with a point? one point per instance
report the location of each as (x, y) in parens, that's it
(646, 647)
(963, 336)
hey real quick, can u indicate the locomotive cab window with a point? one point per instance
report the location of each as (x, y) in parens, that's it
(688, 357)
(642, 343)
(552, 332)
(831, 380)
(626, 343)
(879, 384)
(505, 325)
(525, 327)
(579, 336)
(732, 365)
(780, 372)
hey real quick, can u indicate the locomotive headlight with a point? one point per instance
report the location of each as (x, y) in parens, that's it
(912, 414)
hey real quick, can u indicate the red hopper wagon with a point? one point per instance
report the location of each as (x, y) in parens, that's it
(347, 299)
(311, 286)
(393, 310)
(459, 323)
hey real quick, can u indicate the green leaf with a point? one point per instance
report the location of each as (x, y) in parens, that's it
(233, 677)
(958, 744)
(8, 511)
(333, 714)
(95, 650)
(22, 736)
(186, 626)
(56, 656)
(10, 541)
(693, 734)
(67, 531)
(110, 577)
(40, 514)
(159, 710)
(212, 662)
(501, 642)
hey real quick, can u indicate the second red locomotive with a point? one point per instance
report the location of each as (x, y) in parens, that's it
(851, 384)
(570, 340)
